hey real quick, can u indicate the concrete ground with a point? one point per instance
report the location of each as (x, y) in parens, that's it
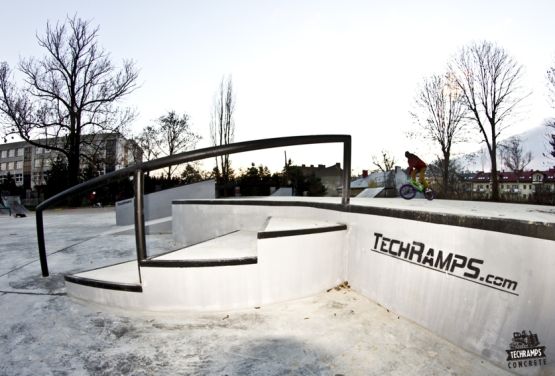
(45, 332)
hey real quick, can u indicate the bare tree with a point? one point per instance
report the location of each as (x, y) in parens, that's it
(222, 126)
(69, 92)
(454, 171)
(513, 155)
(385, 161)
(440, 115)
(551, 83)
(148, 142)
(489, 80)
(171, 134)
(550, 123)
(176, 136)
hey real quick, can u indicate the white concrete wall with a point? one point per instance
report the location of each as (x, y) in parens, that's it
(209, 288)
(288, 268)
(159, 204)
(197, 223)
(299, 266)
(468, 312)
(464, 309)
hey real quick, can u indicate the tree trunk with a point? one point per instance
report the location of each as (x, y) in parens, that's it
(445, 178)
(494, 177)
(445, 173)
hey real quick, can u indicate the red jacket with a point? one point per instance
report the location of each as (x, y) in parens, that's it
(415, 162)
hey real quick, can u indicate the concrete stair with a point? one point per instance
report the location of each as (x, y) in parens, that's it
(289, 258)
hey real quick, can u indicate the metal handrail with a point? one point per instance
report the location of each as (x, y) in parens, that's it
(189, 156)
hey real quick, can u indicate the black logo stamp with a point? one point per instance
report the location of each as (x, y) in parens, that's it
(525, 351)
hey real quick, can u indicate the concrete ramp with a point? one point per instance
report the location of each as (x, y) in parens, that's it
(14, 205)
(4, 210)
(370, 192)
(283, 192)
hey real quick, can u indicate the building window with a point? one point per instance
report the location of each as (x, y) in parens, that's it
(3, 166)
(38, 178)
(18, 179)
(38, 163)
(19, 165)
(11, 153)
(20, 152)
(10, 165)
(4, 153)
(39, 150)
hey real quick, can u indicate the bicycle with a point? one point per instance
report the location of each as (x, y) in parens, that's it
(408, 191)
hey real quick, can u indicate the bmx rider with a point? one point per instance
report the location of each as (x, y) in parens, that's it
(416, 165)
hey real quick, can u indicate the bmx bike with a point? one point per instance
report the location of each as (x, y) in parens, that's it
(408, 191)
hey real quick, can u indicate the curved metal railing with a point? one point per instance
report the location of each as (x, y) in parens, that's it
(189, 156)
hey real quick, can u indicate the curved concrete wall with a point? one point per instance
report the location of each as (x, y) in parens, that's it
(473, 287)
(288, 267)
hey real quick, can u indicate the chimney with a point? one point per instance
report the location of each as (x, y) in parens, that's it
(364, 173)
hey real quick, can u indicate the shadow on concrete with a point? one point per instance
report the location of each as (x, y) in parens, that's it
(273, 356)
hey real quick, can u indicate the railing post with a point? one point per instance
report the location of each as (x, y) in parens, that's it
(140, 241)
(42, 247)
(346, 191)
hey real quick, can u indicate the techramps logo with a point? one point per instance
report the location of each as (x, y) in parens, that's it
(525, 351)
(453, 264)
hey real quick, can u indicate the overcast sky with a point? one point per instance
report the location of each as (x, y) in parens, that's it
(299, 67)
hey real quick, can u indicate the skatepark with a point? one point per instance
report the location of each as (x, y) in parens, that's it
(45, 330)
(280, 285)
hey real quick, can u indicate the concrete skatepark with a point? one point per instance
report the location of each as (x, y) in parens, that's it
(474, 275)
(337, 332)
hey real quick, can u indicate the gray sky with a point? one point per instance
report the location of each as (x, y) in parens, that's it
(299, 67)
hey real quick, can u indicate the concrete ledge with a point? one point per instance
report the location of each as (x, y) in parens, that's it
(283, 227)
(103, 284)
(197, 263)
(514, 226)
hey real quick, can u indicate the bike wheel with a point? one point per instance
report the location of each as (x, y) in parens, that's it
(407, 191)
(429, 194)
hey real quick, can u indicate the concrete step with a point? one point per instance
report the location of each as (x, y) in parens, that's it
(290, 258)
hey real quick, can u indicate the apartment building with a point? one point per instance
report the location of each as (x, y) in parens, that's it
(515, 186)
(29, 164)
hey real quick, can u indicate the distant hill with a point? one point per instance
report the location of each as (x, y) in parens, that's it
(533, 140)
